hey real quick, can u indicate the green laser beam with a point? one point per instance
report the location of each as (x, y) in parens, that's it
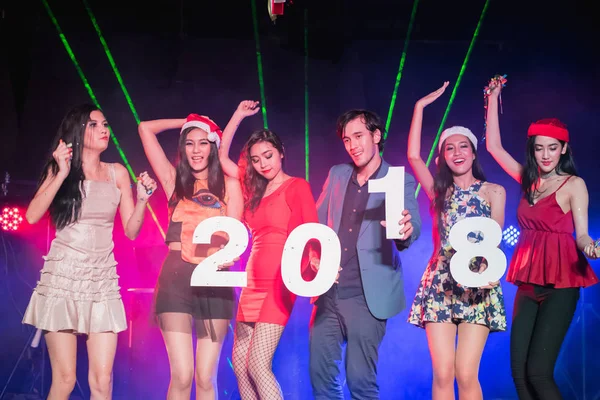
(111, 61)
(261, 80)
(306, 122)
(127, 98)
(400, 69)
(455, 89)
(90, 91)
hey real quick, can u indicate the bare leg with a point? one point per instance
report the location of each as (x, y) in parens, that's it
(207, 359)
(471, 341)
(176, 329)
(101, 348)
(441, 338)
(62, 349)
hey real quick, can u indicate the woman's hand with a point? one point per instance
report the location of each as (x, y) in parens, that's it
(62, 155)
(433, 96)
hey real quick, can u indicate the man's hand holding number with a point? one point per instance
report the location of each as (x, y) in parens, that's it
(405, 226)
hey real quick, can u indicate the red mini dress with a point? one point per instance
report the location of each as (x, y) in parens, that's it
(266, 298)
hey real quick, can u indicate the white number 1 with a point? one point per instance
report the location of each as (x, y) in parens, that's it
(392, 184)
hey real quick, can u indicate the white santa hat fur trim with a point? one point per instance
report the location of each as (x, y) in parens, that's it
(457, 130)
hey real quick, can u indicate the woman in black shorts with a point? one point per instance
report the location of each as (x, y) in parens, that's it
(196, 189)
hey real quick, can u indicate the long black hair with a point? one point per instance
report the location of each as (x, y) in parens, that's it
(184, 179)
(66, 205)
(443, 184)
(531, 171)
(254, 184)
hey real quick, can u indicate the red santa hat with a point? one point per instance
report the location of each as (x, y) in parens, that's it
(215, 134)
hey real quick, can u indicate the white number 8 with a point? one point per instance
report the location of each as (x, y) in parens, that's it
(466, 251)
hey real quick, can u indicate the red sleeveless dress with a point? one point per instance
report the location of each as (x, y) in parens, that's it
(266, 298)
(547, 253)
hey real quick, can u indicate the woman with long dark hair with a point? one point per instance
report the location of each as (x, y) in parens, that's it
(443, 307)
(78, 291)
(196, 189)
(274, 204)
(548, 264)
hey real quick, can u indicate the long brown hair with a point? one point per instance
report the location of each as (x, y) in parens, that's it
(254, 184)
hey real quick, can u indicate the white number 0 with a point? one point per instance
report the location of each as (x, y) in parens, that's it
(331, 254)
(207, 273)
(465, 251)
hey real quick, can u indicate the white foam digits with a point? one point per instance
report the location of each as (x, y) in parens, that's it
(331, 254)
(466, 250)
(207, 272)
(392, 184)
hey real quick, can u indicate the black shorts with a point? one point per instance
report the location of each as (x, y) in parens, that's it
(175, 295)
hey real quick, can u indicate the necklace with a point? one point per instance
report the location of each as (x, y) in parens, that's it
(548, 175)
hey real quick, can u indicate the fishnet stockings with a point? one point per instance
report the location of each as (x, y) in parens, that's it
(253, 352)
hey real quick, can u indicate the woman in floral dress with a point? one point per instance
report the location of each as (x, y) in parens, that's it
(442, 306)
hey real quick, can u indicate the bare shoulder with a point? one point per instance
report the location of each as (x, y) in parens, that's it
(493, 188)
(121, 173)
(575, 183)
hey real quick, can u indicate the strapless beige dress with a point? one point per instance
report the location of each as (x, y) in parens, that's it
(78, 290)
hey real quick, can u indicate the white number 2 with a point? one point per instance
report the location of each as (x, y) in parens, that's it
(466, 251)
(392, 184)
(207, 273)
(331, 253)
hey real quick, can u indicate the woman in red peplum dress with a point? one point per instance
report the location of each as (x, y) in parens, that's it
(549, 265)
(274, 205)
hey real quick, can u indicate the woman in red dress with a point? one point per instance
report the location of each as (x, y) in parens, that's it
(549, 264)
(274, 205)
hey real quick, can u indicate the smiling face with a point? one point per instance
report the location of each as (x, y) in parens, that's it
(458, 154)
(360, 143)
(547, 152)
(266, 159)
(197, 150)
(97, 133)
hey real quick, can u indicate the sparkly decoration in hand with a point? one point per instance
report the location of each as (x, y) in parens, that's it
(497, 80)
(10, 219)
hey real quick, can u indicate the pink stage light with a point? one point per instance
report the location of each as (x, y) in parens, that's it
(10, 219)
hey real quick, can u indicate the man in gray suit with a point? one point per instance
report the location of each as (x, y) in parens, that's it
(370, 287)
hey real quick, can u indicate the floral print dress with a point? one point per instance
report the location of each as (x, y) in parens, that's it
(441, 299)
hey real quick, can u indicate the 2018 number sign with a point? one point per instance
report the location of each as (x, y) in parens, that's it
(207, 273)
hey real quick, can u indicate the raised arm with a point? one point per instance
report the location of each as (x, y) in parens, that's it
(132, 216)
(414, 142)
(51, 184)
(245, 109)
(579, 201)
(235, 205)
(162, 167)
(493, 141)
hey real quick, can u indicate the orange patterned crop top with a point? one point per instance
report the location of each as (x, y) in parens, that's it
(184, 217)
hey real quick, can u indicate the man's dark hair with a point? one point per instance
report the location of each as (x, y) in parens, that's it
(369, 118)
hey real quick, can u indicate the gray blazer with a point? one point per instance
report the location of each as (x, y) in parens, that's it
(378, 257)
